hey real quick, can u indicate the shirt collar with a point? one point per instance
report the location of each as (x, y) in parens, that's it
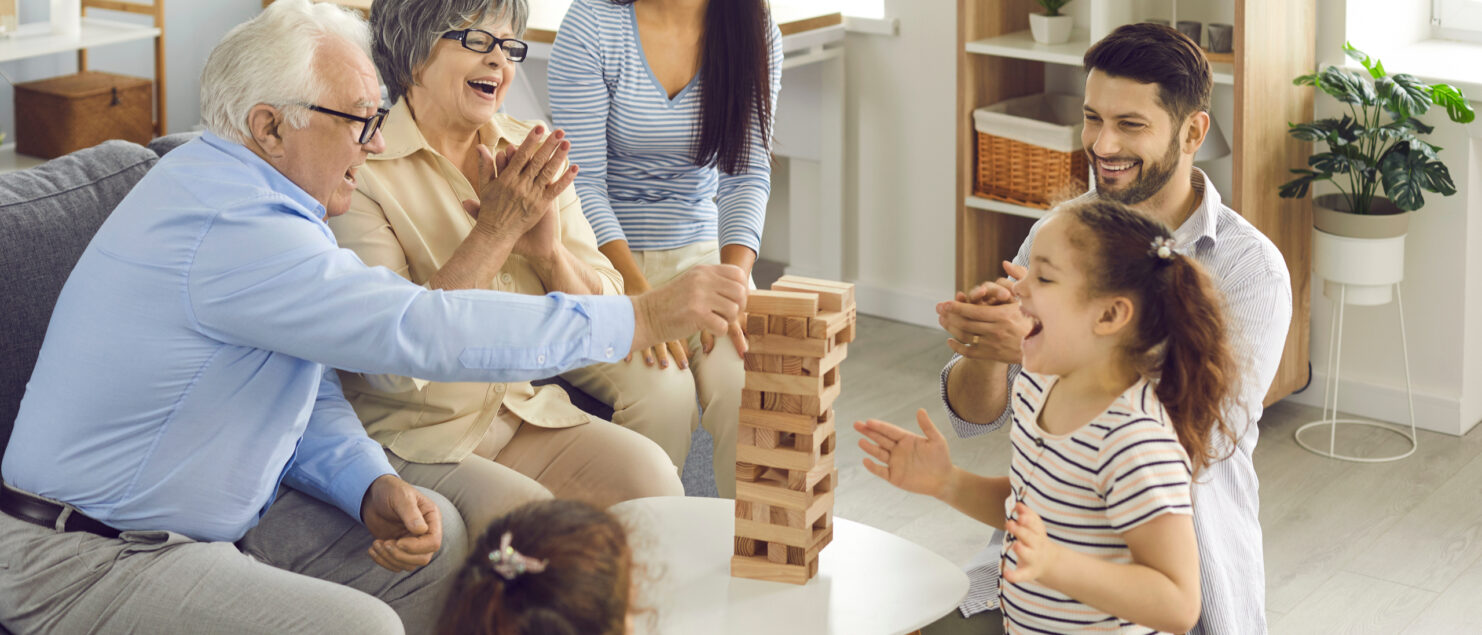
(273, 179)
(404, 138)
(1200, 225)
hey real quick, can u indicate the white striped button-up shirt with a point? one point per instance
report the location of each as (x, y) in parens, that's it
(1250, 272)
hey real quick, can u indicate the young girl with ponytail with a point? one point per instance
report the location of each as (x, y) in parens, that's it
(552, 567)
(1119, 407)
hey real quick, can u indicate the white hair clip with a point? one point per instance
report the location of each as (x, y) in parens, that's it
(511, 564)
(1162, 248)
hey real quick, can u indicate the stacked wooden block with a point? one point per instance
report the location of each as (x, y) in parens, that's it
(798, 334)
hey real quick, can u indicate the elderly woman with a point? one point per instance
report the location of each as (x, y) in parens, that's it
(487, 447)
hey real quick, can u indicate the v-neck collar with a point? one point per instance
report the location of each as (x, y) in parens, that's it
(670, 102)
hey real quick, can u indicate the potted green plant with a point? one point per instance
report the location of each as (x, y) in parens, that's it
(1381, 166)
(1052, 27)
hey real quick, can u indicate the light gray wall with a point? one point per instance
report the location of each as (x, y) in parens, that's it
(192, 28)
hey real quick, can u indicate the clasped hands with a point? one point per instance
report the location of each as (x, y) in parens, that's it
(985, 322)
(518, 189)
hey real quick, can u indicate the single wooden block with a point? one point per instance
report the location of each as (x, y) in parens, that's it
(775, 381)
(787, 517)
(745, 434)
(795, 327)
(756, 324)
(747, 471)
(757, 568)
(817, 366)
(745, 546)
(818, 438)
(797, 480)
(785, 458)
(772, 401)
(846, 335)
(752, 361)
(783, 345)
(777, 552)
(780, 421)
(796, 555)
(794, 365)
(743, 508)
(828, 324)
(765, 438)
(751, 399)
(813, 406)
(782, 303)
(767, 532)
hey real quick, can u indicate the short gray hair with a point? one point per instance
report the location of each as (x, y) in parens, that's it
(270, 60)
(406, 30)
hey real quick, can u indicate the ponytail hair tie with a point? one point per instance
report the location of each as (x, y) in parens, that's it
(1162, 248)
(511, 564)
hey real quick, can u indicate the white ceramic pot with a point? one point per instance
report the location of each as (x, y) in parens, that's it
(1365, 253)
(1050, 30)
(66, 18)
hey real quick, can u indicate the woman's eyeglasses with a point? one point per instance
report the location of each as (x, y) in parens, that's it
(480, 41)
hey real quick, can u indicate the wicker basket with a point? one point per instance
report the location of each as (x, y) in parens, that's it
(1029, 150)
(63, 114)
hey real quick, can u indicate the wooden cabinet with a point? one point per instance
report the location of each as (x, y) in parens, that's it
(996, 60)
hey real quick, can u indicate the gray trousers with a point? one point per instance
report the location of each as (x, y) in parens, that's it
(303, 569)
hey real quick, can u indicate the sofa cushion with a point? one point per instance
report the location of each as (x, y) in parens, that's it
(169, 142)
(47, 216)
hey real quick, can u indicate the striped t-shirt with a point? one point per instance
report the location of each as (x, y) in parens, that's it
(635, 146)
(1090, 486)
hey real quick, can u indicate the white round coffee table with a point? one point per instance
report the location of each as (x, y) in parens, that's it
(868, 581)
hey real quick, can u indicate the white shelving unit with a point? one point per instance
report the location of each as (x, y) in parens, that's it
(10, 161)
(1021, 45)
(36, 39)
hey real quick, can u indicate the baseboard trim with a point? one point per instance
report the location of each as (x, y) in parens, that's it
(894, 304)
(1387, 403)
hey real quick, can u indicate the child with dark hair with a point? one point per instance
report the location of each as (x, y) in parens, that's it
(1121, 402)
(552, 567)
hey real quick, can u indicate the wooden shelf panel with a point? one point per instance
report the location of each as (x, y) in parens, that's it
(35, 39)
(978, 202)
(1021, 45)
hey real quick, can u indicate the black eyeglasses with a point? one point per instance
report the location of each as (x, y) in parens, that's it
(369, 124)
(480, 41)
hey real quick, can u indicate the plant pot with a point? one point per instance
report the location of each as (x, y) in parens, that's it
(1050, 30)
(1364, 252)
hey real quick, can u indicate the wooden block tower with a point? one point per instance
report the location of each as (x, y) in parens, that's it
(785, 475)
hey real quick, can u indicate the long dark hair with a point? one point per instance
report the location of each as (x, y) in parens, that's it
(582, 591)
(735, 75)
(1179, 335)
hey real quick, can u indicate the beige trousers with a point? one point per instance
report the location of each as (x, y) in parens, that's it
(598, 462)
(664, 404)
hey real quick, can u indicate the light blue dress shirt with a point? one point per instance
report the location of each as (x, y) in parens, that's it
(188, 366)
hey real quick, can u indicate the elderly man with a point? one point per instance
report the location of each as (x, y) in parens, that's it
(186, 373)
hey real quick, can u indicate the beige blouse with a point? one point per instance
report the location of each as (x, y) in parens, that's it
(407, 216)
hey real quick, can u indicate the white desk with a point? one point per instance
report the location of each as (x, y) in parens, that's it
(868, 581)
(809, 123)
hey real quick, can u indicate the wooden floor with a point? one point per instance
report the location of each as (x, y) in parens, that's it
(1350, 548)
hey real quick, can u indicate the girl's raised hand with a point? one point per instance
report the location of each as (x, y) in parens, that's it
(915, 463)
(1034, 552)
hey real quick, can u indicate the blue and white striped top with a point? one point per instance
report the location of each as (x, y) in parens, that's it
(635, 146)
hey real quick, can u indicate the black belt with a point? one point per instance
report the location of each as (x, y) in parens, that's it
(38, 511)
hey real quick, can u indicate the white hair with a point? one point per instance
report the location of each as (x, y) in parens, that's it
(270, 60)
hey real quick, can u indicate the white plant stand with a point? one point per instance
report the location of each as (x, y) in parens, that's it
(1344, 263)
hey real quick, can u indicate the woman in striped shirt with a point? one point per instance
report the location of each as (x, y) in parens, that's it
(1126, 374)
(668, 107)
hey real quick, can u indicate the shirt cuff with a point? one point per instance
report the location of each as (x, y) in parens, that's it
(350, 486)
(613, 325)
(967, 429)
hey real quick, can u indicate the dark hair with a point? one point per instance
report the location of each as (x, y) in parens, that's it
(735, 75)
(582, 591)
(1157, 54)
(1178, 335)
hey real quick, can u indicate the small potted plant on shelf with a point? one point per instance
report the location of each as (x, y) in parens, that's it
(1052, 27)
(1360, 237)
